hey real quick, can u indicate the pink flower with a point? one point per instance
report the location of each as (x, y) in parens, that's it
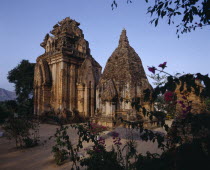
(163, 65)
(184, 111)
(184, 97)
(188, 109)
(152, 69)
(168, 96)
(114, 134)
(96, 149)
(101, 141)
(117, 141)
(180, 102)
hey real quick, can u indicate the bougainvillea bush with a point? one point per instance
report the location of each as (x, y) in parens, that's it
(186, 145)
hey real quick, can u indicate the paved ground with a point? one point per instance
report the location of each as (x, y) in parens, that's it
(40, 157)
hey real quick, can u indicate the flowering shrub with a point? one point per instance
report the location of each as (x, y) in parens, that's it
(163, 65)
(152, 69)
(116, 138)
(102, 160)
(63, 148)
(187, 140)
(169, 96)
(96, 129)
(186, 107)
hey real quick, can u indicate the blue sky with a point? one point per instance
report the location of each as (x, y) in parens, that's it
(24, 23)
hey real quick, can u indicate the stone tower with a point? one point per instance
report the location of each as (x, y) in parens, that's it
(66, 75)
(123, 80)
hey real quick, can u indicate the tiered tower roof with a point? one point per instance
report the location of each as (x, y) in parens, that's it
(124, 67)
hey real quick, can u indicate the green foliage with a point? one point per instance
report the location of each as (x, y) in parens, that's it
(207, 102)
(4, 113)
(187, 140)
(189, 137)
(102, 160)
(191, 14)
(23, 130)
(88, 132)
(190, 128)
(188, 143)
(201, 89)
(187, 146)
(63, 148)
(11, 107)
(7, 108)
(60, 155)
(159, 79)
(22, 76)
(163, 106)
(136, 103)
(26, 107)
(188, 156)
(149, 162)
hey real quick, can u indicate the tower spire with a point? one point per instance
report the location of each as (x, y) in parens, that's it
(123, 42)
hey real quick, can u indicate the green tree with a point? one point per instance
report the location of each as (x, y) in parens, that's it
(189, 14)
(4, 113)
(22, 76)
(7, 108)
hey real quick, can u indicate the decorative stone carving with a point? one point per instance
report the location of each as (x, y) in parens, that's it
(66, 75)
(123, 80)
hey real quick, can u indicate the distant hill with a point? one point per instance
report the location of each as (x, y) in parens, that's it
(7, 95)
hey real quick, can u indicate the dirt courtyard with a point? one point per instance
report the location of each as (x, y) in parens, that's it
(41, 157)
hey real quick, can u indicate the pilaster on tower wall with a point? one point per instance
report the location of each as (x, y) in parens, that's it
(57, 78)
(72, 87)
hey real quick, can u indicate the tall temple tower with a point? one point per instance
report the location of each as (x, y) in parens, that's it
(122, 81)
(66, 75)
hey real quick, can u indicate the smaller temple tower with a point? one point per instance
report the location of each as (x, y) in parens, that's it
(122, 81)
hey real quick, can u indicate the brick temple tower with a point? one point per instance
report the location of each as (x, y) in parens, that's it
(122, 81)
(66, 75)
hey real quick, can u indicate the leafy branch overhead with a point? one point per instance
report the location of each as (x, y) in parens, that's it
(190, 14)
